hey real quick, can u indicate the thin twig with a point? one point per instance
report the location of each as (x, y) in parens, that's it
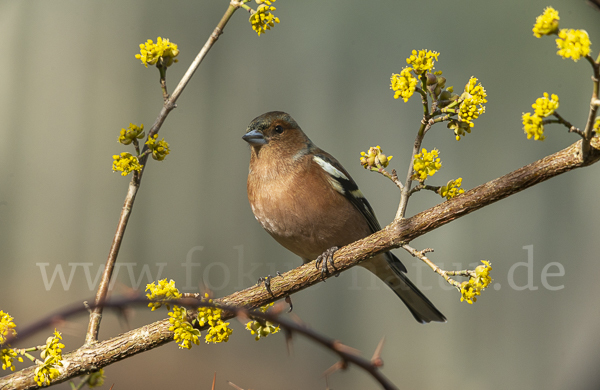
(426, 124)
(393, 176)
(396, 180)
(425, 187)
(421, 255)
(169, 105)
(559, 119)
(588, 131)
(405, 194)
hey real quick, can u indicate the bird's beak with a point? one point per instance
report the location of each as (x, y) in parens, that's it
(254, 138)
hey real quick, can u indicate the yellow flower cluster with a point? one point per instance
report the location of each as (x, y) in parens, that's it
(6, 326)
(472, 102)
(422, 61)
(7, 355)
(262, 20)
(262, 328)
(403, 84)
(374, 158)
(426, 164)
(460, 128)
(546, 23)
(573, 44)
(219, 331)
(159, 149)
(597, 126)
(184, 333)
(543, 107)
(52, 355)
(132, 132)
(162, 292)
(162, 53)
(452, 189)
(471, 289)
(482, 274)
(533, 127)
(126, 163)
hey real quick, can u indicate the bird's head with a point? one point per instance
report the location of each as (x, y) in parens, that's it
(276, 132)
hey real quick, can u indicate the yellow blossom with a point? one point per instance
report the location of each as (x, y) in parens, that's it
(597, 126)
(162, 53)
(546, 23)
(482, 273)
(533, 126)
(219, 331)
(132, 132)
(460, 128)
(47, 371)
(7, 355)
(403, 84)
(473, 99)
(374, 158)
(6, 326)
(544, 106)
(126, 163)
(262, 328)
(426, 164)
(573, 44)
(470, 289)
(262, 20)
(184, 333)
(53, 346)
(452, 189)
(422, 61)
(162, 292)
(159, 149)
(469, 292)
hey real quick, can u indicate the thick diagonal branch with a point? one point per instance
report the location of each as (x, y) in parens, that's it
(399, 232)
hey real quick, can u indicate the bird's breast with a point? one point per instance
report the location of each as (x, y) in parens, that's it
(304, 215)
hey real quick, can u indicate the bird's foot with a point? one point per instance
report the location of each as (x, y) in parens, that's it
(326, 258)
(267, 282)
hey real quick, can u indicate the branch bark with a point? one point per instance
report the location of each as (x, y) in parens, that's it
(92, 357)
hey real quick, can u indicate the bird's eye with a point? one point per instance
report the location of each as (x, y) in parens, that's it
(278, 129)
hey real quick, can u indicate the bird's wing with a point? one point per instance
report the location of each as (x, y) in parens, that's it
(343, 183)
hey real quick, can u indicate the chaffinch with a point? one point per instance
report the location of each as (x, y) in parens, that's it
(308, 202)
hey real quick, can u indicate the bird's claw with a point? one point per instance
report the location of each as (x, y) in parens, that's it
(267, 282)
(325, 258)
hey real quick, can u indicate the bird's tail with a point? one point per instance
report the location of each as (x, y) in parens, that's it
(391, 271)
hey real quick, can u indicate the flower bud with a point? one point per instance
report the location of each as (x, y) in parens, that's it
(441, 81)
(445, 95)
(431, 79)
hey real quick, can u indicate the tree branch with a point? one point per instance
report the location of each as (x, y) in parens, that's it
(399, 232)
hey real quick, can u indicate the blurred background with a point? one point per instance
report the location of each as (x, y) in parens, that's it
(70, 83)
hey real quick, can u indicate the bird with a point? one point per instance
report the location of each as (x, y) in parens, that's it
(304, 198)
